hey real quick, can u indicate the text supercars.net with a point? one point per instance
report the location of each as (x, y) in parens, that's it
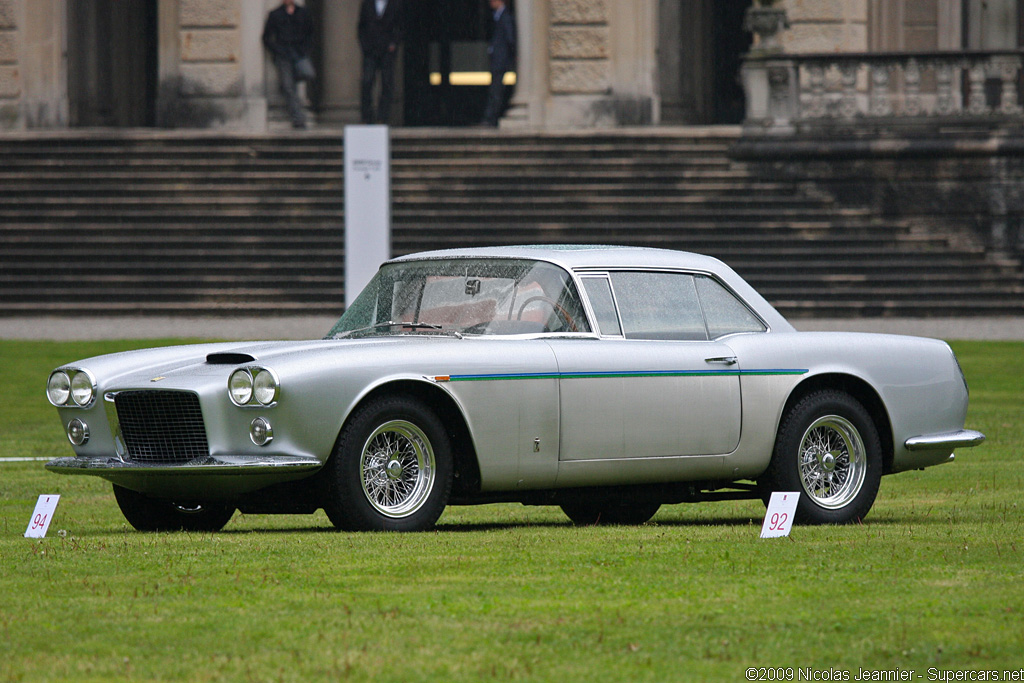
(896, 674)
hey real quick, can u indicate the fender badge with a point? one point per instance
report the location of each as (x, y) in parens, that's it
(157, 379)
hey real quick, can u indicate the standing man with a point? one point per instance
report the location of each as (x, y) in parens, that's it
(502, 51)
(380, 32)
(288, 34)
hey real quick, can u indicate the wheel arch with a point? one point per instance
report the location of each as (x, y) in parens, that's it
(859, 389)
(466, 469)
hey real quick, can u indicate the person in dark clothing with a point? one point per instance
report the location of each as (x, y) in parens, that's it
(502, 51)
(380, 32)
(288, 34)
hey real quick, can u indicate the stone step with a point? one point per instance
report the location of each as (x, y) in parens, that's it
(113, 222)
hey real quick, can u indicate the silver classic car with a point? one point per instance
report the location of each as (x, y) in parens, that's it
(606, 380)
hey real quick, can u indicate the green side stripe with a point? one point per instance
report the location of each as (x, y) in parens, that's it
(614, 375)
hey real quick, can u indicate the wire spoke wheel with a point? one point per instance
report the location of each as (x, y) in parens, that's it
(397, 468)
(832, 461)
(828, 448)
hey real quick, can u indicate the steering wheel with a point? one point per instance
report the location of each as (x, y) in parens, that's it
(555, 306)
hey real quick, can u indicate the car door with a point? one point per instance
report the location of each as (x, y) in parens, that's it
(653, 385)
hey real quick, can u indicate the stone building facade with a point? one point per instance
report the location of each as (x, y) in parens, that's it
(582, 63)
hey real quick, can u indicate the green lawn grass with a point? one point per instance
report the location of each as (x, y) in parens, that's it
(934, 578)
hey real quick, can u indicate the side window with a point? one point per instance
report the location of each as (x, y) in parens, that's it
(599, 291)
(659, 306)
(725, 314)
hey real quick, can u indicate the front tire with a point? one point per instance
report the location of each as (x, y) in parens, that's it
(150, 514)
(391, 469)
(828, 449)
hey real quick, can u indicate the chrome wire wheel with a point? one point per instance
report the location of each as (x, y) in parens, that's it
(832, 461)
(397, 468)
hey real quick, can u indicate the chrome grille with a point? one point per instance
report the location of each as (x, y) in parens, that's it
(163, 427)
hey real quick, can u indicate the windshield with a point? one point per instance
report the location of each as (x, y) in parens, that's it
(465, 296)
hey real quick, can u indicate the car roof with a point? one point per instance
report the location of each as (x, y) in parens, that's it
(588, 256)
(577, 256)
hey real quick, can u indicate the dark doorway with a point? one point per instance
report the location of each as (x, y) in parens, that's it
(701, 44)
(112, 63)
(730, 43)
(445, 59)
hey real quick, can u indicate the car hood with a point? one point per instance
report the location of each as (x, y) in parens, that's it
(186, 366)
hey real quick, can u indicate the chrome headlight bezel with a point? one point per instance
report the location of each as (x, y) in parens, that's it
(254, 386)
(79, 388)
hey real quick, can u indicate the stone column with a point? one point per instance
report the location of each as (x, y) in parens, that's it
(33, 70)
(524, 110)
(579, 70)
(10, 73)
(603, 66)
(342, 63)
(212, 77)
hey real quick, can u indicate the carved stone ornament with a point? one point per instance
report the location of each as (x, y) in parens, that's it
(766, 23)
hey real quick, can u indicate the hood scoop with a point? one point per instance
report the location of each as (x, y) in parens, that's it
(229, 358)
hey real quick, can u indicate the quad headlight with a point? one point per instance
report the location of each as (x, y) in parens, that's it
(71, 388)
(240, 387)
(253, 386)
(264, 386)
(58, 389)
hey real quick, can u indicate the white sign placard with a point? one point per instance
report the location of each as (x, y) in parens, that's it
(42, 515)
(367, 205)
(779, 519)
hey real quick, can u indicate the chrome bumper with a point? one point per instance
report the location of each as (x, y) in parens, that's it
(220, 464)
(963, 438)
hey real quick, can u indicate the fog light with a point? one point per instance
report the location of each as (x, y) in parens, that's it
(261, 432)
(78, 432)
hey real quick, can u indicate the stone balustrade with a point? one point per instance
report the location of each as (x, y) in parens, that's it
(786, 93)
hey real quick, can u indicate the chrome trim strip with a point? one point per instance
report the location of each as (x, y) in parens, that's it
(224, 464)
(963, 438)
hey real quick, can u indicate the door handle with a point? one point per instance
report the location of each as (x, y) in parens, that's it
(722, 360)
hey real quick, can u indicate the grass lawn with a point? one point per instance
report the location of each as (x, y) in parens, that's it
(933, 579)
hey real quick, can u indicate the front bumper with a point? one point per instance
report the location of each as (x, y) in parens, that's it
(927, 450)
(946, 441)
(212, 477)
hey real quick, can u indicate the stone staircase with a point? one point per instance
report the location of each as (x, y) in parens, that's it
(154, 222)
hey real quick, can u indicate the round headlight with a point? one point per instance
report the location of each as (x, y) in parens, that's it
(264, 387)
(78, 432)
(240, 387)
(58, 388)
(261, 432)
(81, 389)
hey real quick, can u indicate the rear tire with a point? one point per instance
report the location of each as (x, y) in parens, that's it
(151, 514)
(391, 469)
(828, 449)
(609, 513)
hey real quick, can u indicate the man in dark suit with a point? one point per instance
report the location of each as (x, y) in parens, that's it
(502, 51)
(380, 32)
(288, 35)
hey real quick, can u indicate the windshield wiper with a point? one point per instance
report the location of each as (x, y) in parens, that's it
(391, 323)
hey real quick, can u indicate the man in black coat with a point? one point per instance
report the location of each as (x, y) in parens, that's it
(502, 51)
(380, 32)
(288, 34)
